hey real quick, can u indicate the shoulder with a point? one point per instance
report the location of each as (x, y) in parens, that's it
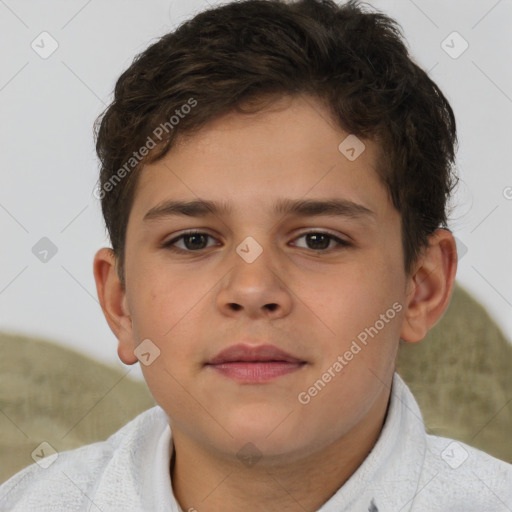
(463, 477)
(66, 482)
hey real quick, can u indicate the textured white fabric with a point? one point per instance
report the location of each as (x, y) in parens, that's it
(407, 471)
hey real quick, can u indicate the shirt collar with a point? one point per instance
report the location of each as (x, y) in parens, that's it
(388, 477)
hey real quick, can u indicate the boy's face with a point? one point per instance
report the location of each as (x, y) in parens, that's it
(309, 297)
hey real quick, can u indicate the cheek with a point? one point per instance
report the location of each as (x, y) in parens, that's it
(169, 309)
(341, 302)
(361, 305)
(162, 298)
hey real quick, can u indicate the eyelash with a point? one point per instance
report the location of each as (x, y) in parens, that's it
(169, 244)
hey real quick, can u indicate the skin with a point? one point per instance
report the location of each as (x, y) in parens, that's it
(194, 304)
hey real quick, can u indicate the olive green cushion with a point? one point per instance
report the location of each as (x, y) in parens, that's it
(53, 394)
(460, 375)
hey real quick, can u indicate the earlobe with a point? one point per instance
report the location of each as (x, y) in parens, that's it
(114, 303)
(430, 287)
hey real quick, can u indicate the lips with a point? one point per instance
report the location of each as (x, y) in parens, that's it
(254, 364)
(261, 353)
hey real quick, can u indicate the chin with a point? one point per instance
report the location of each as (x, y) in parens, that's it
(272, 432)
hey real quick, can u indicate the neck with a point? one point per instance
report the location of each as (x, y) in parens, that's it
(205, 482)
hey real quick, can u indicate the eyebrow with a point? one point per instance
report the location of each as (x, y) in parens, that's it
(298, 207)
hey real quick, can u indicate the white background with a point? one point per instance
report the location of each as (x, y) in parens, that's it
(49, 167)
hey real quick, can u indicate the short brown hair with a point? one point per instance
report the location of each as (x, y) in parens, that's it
(354, 60)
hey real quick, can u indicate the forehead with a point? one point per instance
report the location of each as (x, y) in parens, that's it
(293, 149)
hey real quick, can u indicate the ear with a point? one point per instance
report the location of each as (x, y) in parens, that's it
(430, 287)
(114, 304)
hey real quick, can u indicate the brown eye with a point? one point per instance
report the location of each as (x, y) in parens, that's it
(320, 241)
(192, 242)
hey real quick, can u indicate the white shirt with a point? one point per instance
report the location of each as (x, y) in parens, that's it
(406, 471)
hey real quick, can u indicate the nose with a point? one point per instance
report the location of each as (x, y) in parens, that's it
(257, 289)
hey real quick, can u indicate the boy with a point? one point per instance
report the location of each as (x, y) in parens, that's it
(262, 128)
